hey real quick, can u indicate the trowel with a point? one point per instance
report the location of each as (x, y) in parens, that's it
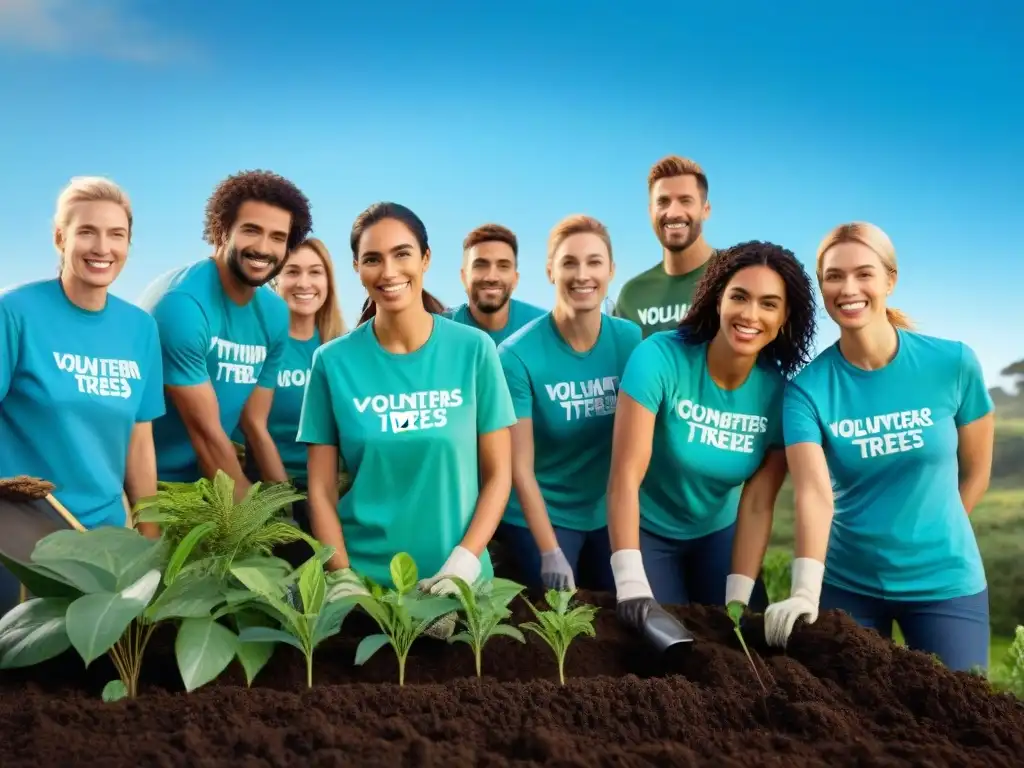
(664, 631)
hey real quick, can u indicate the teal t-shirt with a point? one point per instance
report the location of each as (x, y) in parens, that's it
(900, 529)
(570, 397)
(519, 314)
(73, 385)
(287, 406)
(206, 337)
(708, 441)
(407, 428)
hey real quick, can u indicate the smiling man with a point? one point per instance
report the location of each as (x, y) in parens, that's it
(657, 299)
(490, 261)
(223, 334)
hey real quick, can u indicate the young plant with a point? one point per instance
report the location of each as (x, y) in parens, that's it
(735, 610)
(559, 626)
(402, 613)
(484, 608)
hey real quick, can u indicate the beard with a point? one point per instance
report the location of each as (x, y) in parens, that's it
(693, 234)
(236, 260)
(490, 306)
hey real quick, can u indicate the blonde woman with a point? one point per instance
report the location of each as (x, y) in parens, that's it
(81, 378)
(904, 425)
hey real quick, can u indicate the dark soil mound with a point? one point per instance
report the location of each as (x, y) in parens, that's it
(840, 696)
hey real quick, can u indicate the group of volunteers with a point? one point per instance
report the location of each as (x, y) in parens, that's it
(640, 452)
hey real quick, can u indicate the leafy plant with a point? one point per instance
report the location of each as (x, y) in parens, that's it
(302, 612)
(735, 610)
(559, 626)
(219, 530)
(1015, 664)
(402, 613)
(484, 608)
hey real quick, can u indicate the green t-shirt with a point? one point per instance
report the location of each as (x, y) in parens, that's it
(570, 397)
(407, 428)
(657, 301)
(519, 314)
(283, 421)
(708, 441)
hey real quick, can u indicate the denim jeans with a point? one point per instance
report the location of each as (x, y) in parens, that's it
(956, 629)
(683, 571)
(588, 552)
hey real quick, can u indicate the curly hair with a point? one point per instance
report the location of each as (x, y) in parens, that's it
(259, 186)
(792, 348)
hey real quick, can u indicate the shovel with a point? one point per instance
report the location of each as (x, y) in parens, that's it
(664, 632)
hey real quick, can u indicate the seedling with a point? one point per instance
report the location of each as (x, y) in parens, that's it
(559, 626)
(402, 613)
(735, 610)
(484, 608)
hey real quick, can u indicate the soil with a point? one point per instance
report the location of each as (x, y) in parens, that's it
(839, 696)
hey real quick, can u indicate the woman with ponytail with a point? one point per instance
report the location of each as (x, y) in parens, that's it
(889, 437)
(418, 409)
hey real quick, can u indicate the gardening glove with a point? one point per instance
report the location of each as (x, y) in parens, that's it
(344, 582)
(555, 571)
(781, 617)
(634, 598)
(738, 588)
(462, 563)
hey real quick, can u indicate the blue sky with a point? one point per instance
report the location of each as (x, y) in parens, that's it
(803, 114)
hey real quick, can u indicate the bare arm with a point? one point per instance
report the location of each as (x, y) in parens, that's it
(140, 472)
(322, 492)
(756, 512)
(525, 482)
(254, 426)
(632, 437)
(975, 455)
(495, 460)
(813, 499)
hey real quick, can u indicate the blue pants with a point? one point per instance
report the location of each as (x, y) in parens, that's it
(588, 552)
(683, 571)
(956, 630)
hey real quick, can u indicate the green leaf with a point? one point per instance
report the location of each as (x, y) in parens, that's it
(268, 635)
(252, 656)
(33, 632)
(96, 622)
(312, 586)
(430, 607)
(258, 580)
(501, 592)
(462, 637)
(184, 550)
(508, 631)
(403, 572)
(369, 646)
(204, 648)
(190, 596)
(109, 549)
(329, 621)
(735, 610)
(115, 690)
(39, 580)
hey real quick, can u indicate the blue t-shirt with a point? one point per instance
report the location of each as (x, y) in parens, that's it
(570, 398)
(206, 337)
(73, 385)
(407, 427)
(890, 437)
(519, 314)
(708, 441)
(286, 409)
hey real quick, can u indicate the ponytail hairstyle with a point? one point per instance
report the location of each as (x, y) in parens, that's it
(375, 214)
(873, 238)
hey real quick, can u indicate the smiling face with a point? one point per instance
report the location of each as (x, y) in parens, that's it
(489, 275)
(752, 309)
(391, 266)
(854, 285)
(94, 243)
(581, 269)
(303, 283)
(678, 211)
(258, 242)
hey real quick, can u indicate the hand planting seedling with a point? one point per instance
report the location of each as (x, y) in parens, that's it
(402, 613)
(735, 610)
(559, 626)
(484, 608)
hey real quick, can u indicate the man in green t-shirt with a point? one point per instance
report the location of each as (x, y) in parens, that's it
(658, 298)
(490, 273)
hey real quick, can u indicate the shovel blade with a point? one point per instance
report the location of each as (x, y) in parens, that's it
(24, 523)
(665, 632)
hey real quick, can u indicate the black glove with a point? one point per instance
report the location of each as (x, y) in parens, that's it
(633, 613)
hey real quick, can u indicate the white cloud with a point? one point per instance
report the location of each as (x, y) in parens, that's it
(103, 28)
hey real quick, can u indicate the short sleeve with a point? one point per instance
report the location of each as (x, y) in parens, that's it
(494, 409)
(799, 419)
(645, 378)
(10, 334)
(152, 406)
(518, 380)
(184, 340)
(275, 355)
(633, 336)
(974, 401)
(317, 423)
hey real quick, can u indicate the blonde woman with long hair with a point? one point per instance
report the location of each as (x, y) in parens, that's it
(889, 437)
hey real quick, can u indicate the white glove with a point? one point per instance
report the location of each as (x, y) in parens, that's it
(738, 588)
(780, 618)
(630, 577)
(344, 583)
(462, 563)
(555, 571)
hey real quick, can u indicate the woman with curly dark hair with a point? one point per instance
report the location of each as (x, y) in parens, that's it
(697, 456)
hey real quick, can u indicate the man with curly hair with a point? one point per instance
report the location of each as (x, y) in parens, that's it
(659, 298)
(223, 334)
